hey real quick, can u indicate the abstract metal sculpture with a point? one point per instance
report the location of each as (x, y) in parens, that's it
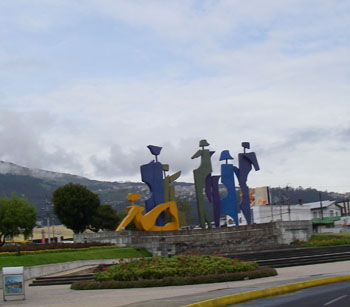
(229, 203)
(152, 175)
(169, 191)
(245, 161)
(147, 222)
(200, 176)
(212, 192)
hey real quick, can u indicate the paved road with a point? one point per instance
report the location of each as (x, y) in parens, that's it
(63, 296)
(332, 295)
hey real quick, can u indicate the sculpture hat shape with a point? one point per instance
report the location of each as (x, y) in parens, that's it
(225, 155)
(203, 143)
(155, 150)
(246, 145)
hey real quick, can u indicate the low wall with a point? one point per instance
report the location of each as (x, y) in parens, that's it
(48, 269)
(223, 241)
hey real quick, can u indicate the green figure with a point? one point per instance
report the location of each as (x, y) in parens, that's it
(169, 191)
(200, 176)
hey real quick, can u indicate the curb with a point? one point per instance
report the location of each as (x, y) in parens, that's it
(256, 294)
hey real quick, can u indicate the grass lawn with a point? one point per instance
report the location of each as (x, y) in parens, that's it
(326, 239)
(325, 236)
(38, 259)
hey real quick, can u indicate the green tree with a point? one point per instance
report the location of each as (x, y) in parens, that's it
(75, 206)
(16, 217)
(105, 218)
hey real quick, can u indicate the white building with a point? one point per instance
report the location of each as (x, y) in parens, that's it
(272, 213)
(329, 209)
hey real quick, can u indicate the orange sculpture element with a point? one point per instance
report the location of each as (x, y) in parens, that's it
(147, 222)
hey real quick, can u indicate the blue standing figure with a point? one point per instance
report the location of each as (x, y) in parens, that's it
(152, 175)
(245, 161)
(229, 203)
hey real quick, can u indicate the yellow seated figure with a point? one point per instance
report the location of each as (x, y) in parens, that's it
(147, 222)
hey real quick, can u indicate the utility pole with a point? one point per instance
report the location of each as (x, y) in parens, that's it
(344, 209)
(271, 212)
(48, 222)
(282, 202)
(288, 203)
(321, 205)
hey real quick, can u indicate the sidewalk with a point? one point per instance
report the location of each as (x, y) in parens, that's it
(170, 296)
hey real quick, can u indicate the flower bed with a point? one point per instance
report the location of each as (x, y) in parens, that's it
(174, 281)
(182, 265)
(178, 270)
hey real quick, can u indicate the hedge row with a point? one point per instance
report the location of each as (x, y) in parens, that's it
(174, 281)
(58, 250)
(35, 247)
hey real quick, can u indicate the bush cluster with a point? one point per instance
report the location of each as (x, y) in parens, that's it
(177, 266)
(174, 281)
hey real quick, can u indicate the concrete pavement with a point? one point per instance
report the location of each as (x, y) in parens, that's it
(171, 296)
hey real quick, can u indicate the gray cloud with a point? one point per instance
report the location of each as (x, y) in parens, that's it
(120, 163)
(22, 142)
(317, 137)
(280, 82)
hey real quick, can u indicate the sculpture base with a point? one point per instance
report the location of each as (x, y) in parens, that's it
(222, 241)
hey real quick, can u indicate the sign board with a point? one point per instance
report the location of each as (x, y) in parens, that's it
(345, 221)
(259, 196)
(13, 281)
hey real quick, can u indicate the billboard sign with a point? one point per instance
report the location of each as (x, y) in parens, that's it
(259, 196)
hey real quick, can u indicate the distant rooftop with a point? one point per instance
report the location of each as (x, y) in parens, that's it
(316, 204)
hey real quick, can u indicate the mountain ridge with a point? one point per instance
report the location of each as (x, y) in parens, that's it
(38, 185)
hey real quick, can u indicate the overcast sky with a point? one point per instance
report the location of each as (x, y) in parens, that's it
(86, 85)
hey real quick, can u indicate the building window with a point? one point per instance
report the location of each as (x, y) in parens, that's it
(331, 213)
(315, 215)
